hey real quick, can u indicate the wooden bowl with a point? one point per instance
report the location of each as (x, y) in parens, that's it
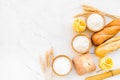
(61, 63)
(103, 22)
(88, 47)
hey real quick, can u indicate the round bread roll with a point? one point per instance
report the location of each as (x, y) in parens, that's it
(84, 63)
(95, 22)
(62, 65)
(81, 43)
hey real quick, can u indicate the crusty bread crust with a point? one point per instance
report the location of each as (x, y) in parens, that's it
(108, 46)
(108, 32)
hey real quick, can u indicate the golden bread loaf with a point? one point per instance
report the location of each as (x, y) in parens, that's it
(108, 32)
(108, 46)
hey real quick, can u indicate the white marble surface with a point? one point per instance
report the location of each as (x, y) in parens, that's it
(30, 27)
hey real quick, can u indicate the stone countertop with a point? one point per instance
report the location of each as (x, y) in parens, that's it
(30, 27)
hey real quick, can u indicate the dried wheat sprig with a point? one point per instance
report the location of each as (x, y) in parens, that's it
(93, 9)
(84, 14)
(48, 59)
(43, 64)
(52, 54)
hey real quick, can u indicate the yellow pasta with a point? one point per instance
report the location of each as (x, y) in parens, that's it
(79, 25)
(106, 63)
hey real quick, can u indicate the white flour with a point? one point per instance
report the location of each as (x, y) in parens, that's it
(95, 22)
(62, 65)
(81, 43)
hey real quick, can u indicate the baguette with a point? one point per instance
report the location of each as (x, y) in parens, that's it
(108, 46)
(108, 32)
